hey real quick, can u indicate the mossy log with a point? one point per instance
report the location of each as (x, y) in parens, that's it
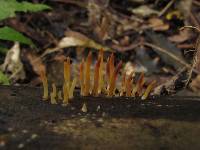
(28, 122)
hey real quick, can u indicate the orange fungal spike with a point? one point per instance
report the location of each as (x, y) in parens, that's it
(100, 55)
(81, 77)
(96, 78)
(101, 82)
(139, 85)
(111, 88)
(87, 74)
(108, 71)
(111, 64)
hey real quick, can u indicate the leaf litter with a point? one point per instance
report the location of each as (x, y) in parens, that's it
(114, 27)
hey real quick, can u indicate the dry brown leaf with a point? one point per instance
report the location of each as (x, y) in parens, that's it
(158, 24)
(75, 39)
(181, 37)
(101, 20)
(195, 84)
(36, 63)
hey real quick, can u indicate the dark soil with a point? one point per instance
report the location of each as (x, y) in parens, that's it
(27, 122)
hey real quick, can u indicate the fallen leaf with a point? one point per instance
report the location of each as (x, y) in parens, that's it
(75, 39)
(158, 25)
(36, 63)
(144, 11)
(195, 84)
(181, 37)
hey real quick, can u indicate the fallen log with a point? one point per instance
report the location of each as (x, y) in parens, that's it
(28, 122)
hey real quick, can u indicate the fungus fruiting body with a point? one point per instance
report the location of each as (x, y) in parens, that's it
(65, 94)
(84, 108)
(101, 82)
(148, 90)
(72, 87)
(45, 84)
(53, 94)
(112, 80)
(104, 82)
(87, 74)
(81, 77)
(68, 86)
(96, 78)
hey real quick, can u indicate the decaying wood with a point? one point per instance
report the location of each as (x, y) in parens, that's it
(97, 123)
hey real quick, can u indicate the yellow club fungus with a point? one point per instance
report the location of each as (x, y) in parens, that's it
(45, 85)
(72, 87)
(53, 94)
(99, 85)
(65, 94)
(68, 87)
(148, 90)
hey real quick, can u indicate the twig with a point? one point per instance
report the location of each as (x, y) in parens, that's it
(191, 27)
(166, 8)
(169, 54)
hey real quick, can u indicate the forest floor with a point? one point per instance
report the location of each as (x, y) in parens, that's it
(145, 35)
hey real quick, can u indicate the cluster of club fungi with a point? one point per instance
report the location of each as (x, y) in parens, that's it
(104, 81)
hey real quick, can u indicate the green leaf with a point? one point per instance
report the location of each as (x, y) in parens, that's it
(7, 33)
(4, 79)
(9, 7)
